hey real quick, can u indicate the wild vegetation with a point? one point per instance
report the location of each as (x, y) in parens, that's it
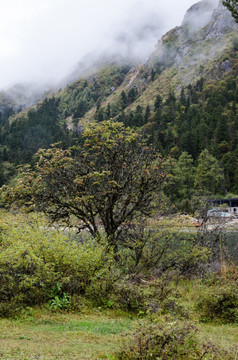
(233, 7)
(108, 247)
(104, 227)
(164, 279)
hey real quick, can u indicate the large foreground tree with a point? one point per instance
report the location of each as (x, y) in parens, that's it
(105, 184)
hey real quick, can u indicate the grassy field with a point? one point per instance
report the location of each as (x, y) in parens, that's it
(226, 336)
(44, 335)
(95, 332)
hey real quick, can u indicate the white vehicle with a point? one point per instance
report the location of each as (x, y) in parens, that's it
(218, 213)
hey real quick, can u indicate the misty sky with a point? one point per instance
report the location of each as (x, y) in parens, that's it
(42, 40)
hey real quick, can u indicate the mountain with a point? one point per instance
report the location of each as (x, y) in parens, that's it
(21, 96)
(184, 95)
(185, 54)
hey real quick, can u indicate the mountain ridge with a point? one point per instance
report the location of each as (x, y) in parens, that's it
(175, 95)
(173, 56)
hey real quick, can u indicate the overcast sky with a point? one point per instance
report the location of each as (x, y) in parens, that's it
(42, 40)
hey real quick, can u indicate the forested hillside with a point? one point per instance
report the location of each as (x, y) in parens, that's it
(109, 248)
(184, 96)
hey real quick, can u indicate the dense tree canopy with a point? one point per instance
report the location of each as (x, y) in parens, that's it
(209, 177)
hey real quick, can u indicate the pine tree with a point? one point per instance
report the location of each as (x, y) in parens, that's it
(209, 175)
(184, 176)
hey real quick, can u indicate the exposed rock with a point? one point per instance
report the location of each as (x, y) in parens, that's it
(221, 23)
(204, 21)
(226, 66)
(198, 15)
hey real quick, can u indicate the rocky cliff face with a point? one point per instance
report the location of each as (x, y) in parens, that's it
(204, 24)
(211, 16)
(198, 15)
(220, 24)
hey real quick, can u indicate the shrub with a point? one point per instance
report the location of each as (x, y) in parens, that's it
(235, 43)
(171, 340)
(131, 297)
(101, 288)
(33, 259)
(109, 289)
(153, 296)
(219, 303)
(10, 309)
(112, 288)
(219, 300)
(160, 246)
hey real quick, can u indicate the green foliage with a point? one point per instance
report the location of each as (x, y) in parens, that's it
(104, 184)
(7, 171)
(53, 119)
(219, 300)
(151, 296)
(59, 299)
(39, 265)
(182, 182)
(82, 95)
(148, 263)
(230, 164)
(25, 135)
(203, 116)
(102, 287)
(119, 294)
(134, 294)
(235, 43)
(208, 174)
(60, 303)
(170, 340)
(161, 246)
(11, 308)
(219, 303)
(232, 5)
(34, 258)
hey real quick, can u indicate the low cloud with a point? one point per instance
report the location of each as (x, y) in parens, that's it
(42, 41)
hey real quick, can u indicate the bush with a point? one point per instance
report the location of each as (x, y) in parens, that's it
(34, 258)
(131, 297)
(112, 288)
(219, 300)
(102, 285)
(10, 309)
(160, 246)
(219, 304)
(171, 340)
(235, 43)
(155, 296)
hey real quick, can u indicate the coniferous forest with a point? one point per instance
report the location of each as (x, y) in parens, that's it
(115, 242)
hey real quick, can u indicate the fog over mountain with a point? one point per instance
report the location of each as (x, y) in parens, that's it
(41, 42)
